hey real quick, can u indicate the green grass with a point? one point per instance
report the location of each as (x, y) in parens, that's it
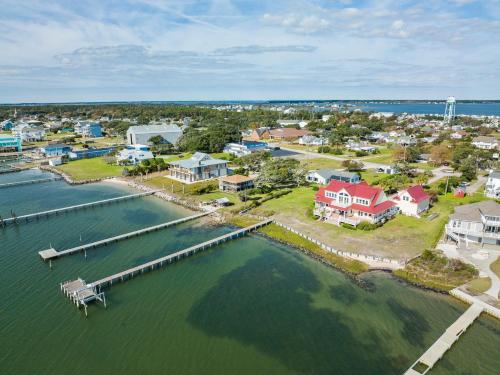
(386, 158)
(169, 158)
(402, 237)
(479, 285)
(319, 163)
(495, 267)
(283, 235)
(89, 169)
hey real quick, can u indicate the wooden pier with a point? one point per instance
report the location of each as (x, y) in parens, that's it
(95, 288)
(26, 218)
(52, 253)
(28, 182)
(427, 361)
(81, 294)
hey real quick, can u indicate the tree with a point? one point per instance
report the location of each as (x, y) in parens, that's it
(460, 153)
(156, 140)
(440, 154)
(353, 165)
(254, 161)
(408, 154)
(468, 169)
(280, 173)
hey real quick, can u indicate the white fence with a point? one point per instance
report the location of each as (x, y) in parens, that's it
(370, 259)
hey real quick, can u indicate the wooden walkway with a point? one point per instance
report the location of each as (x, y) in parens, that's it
(28, 182)
(445, 342)
(52, 253)
(26, 218)
(81, 293)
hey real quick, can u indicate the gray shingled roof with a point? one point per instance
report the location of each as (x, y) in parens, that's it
(495, 174)
(199, 159)
(327, 173)
(472, 212)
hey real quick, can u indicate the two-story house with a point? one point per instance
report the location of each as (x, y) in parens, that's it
(343, 202)
(412, 201)
(485, 143)
(199, 167)
(476, 223)
(492, 188)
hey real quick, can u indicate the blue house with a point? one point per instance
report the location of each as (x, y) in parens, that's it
(88, 129)
(10, 144)
(6, 125)
(57, 149)
(91, 153)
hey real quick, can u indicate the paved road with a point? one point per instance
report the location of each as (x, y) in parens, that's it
(442, 172)
(481, 180)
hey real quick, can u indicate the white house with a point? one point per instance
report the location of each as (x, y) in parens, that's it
(324, 176)
(412, 201)
(142, 134)
(485, 143)
(134, 154)
(492, 188)
(28, 133)
(476, 223)
(311, 140)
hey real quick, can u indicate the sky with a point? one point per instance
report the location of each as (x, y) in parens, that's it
(120, 50)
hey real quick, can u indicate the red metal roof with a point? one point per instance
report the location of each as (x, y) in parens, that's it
(417, 193)
(361, 190)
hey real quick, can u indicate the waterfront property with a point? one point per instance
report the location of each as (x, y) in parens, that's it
(342, 202)
(412, 201)
(10, 144)
(199, 167)
(134, 154)
(235, 183)
(475, 223)
(88, 129)
(245, 148)
(143, 133)
(492, 188)
(90, 153)
(485, 143)
(28, 133)
(55, 149)
(324, 176)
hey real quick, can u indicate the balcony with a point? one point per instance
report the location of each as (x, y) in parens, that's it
(475, 233)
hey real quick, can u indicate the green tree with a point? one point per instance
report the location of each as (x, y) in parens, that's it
(468, 169)
(281, 172)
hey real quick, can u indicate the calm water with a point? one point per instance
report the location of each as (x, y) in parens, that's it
(250, 306)
(482, 109)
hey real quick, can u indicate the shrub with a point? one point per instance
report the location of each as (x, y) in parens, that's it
(324, 149)
(336, 151)
(361, 153)
(315, 188)
(365, 225)
(347, 226)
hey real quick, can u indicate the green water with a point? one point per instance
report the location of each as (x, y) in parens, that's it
(250, 306)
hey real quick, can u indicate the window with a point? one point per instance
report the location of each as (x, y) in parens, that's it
(330, 194)
(362, 201)
(406, 198)
(343, 198)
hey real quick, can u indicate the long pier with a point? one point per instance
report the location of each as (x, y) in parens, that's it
(93, 291)
(427, 361)
(52, 253)
(18, 219)
(28, 182)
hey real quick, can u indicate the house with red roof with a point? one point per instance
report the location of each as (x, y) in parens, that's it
(412, 201)
(344, 202)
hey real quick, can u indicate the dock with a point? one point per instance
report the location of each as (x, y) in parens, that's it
(26, 218)
(51, 253)
(28, 182)
(81, 294)
(427, 361)
(94, 289)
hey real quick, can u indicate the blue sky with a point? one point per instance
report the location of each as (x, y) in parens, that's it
(100, 50)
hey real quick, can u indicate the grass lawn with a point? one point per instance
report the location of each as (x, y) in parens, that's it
(495, 266)
(370, 175)
(479, 285)
(319, 163)
(402, 237)
(86, 169)
(385, 158)
(169, 158)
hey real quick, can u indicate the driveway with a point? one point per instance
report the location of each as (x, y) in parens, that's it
(442, 172)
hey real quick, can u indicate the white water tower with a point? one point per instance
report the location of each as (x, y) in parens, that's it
(449, 111)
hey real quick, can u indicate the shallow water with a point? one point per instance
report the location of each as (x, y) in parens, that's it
(250, 306)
